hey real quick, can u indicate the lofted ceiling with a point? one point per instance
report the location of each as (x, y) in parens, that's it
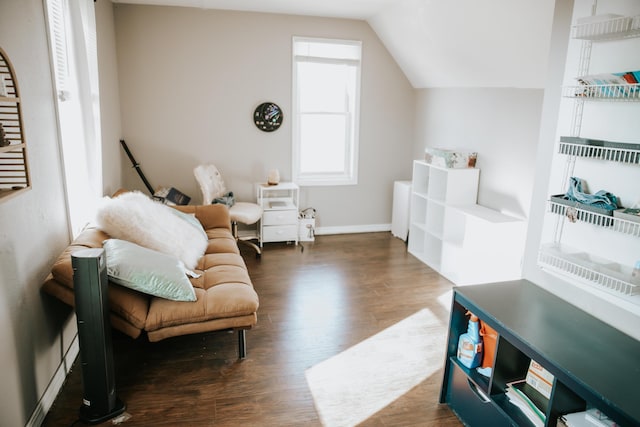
(437, 43)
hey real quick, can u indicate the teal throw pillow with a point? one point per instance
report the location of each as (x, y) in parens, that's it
(191, 219)
(147, 271)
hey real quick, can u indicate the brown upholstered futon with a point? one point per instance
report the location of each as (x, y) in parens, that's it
(225, 295)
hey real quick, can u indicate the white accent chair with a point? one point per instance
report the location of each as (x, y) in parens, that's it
(212, 187)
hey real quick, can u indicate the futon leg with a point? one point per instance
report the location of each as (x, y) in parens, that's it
(242, 344)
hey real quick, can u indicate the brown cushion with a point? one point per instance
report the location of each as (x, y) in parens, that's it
(210, 216)
(223, 290)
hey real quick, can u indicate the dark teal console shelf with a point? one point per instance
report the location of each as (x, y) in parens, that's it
(593, 364)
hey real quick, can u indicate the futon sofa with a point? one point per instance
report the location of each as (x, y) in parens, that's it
(224, 295)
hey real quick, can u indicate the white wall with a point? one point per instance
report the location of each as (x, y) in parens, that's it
(616, 122)
(500, 124)
(191, 78)
(34, 227)
(38, 332)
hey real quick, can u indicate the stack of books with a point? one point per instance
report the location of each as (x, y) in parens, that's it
(532, 394)
(590, 418)
(518, 393)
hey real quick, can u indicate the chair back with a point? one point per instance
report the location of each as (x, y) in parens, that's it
(210, 181)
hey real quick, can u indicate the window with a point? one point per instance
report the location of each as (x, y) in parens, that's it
(326, 102)
(72, 37)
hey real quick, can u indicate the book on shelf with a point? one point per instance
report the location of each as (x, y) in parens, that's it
(590, 418)
(540, 379)
(518, 393)
(599, 419)
(624, 84)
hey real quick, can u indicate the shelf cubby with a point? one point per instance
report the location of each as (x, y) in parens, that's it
(435, 219)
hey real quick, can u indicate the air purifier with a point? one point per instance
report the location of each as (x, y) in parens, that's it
(99, 400)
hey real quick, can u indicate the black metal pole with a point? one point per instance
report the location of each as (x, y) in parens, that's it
(137, 166)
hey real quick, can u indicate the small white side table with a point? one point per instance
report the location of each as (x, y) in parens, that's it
(279, 221)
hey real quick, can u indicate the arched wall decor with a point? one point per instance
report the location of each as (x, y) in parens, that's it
(14, 170)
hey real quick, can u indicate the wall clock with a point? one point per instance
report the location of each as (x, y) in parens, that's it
(267, 117)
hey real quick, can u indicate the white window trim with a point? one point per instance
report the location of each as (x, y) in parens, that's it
(350, 177)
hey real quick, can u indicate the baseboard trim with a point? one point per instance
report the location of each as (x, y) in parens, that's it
(55, 385)
(349, 229)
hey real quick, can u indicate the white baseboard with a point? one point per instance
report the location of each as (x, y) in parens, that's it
(55, 385)
(348, 229)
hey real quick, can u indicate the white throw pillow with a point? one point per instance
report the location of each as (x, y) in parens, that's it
(147, 271)
(137, 218)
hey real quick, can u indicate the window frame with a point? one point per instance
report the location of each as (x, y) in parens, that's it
(349, 175)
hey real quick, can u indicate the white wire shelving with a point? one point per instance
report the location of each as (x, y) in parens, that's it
(604, 274)
(608, 29)
(617, 224)
(605, 92)
(617, 153)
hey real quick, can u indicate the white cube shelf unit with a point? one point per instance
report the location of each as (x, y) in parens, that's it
(465, 242)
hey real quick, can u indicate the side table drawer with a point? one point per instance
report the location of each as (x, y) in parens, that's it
(288, 217)
(279, 233)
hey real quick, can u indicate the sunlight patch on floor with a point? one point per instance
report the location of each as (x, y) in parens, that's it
(445, 300)
(354, 385)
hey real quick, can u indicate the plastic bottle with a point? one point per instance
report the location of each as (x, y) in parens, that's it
(470, 344)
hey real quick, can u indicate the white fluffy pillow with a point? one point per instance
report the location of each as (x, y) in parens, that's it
(137, 218)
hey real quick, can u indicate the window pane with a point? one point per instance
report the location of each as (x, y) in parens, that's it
(320, 49)
(322, 87)
(323, 143)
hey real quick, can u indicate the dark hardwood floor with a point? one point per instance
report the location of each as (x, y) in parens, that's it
(351, 331)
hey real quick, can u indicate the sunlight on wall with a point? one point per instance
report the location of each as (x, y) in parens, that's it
(355, 384)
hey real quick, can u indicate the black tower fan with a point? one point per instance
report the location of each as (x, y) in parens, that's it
(99, 400)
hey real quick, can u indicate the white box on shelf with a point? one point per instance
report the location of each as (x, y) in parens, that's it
(454, 159)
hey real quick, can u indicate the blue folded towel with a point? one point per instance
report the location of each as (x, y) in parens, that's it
(602, 199)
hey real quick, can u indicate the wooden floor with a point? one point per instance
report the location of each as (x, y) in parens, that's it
(350, 332)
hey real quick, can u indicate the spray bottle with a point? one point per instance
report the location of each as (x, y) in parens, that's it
(470, 344)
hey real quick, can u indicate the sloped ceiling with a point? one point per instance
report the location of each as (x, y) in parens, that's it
(437, 43)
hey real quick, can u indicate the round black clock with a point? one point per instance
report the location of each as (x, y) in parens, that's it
(268, 116)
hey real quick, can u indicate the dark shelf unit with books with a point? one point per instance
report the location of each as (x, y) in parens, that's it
(592, 363)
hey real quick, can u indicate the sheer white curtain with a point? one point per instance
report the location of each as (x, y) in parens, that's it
(72, 33)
